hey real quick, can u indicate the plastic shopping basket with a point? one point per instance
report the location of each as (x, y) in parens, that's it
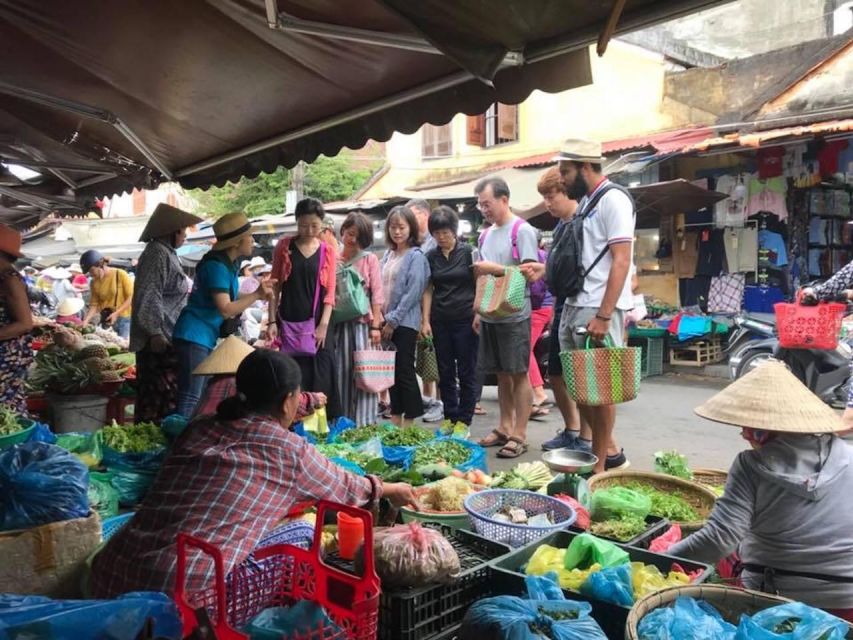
(808, 327)
(282, 575)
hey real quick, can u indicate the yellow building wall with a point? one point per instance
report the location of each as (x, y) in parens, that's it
(623, 101)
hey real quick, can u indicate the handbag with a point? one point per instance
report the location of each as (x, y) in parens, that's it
(426, 365)
(297, 336)
(351, 299)
(108, 311)
(726, 293)
(603, 375)
(373, 369)
(500, 297)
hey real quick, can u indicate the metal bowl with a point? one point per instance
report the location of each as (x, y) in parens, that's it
(569, 461)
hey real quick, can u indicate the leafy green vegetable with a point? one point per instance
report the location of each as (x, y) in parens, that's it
(8, 421)
(672, 506)
(441, 452)
(408, 437)
(787, 626)
(378, 467)
(362, 434)
(672, 463)
(621, 530)
(136, 438)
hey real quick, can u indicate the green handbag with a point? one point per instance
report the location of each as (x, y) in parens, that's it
(426, 365)
(351, 299)
(603, 375)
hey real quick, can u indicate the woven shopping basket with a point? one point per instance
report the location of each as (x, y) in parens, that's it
(426, 365)
(373, 369)
(808, 327)
(500, 297)
(603, 375)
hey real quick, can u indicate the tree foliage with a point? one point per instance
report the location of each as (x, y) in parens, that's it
(327, 179)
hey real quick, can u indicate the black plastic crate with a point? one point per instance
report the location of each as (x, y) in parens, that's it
(655, 526)
(610, 617)
(435, 612)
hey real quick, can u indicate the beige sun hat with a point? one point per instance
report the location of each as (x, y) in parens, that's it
(230, 229)
(577, 150)
(225, 358)
(70, 306)
(167, 220)
(771, 398)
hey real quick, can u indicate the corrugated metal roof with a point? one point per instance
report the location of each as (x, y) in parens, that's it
(661, 141)
(762, 138)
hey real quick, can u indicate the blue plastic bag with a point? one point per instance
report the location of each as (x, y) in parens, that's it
(124, 617)
(131, 485)
(42, 433)
(513, 618)
(687, 618)
(814, 624)
(399, 456)
(41, 483)
(301, 619)
(477, 459)
(544, 587)
(299, 429)
(611, 585)
(147, 461)
(174, 425)
(337, 426)
(352, 467)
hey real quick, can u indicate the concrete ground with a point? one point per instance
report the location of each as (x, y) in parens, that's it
(660, 418)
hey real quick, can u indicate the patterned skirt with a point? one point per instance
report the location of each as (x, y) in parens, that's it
(156, 385)
(16, 356)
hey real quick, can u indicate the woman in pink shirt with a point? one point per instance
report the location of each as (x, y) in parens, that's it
(360, 333)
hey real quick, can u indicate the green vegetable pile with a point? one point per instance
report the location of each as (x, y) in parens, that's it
(8, 421)
(541, 627)
(137, 438)
(624, 529)
(672, 463)
(525, 476)
(441, 452)
(666, 505)
(408, 437)
(362, 434)
(378, 467)
(345, 452)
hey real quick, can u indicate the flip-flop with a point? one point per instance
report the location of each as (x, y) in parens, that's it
(545, 404)
(507, 451)
(538, 411)
(494, 439)
(479, 411)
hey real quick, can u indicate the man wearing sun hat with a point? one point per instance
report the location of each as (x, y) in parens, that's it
(214, 304)
(786, 506)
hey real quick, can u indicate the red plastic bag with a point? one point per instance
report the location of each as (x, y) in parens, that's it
(583, 520)
(411, 556)
(662, 543)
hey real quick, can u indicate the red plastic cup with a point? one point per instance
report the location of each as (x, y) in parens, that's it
(350, 535)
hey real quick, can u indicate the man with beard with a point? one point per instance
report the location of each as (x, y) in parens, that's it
(597, 311)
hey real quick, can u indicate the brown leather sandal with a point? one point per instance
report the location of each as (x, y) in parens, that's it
(494, 439)
(513, 448)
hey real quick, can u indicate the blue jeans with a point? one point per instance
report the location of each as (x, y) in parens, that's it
(122, 327)
(190, 387)
(456, 347)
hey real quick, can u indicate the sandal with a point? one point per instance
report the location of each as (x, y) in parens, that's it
(514, 448)
(479, 411)
(494, 439)
(538, 411)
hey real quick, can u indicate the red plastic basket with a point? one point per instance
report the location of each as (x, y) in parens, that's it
(287, 574)
(808, 327)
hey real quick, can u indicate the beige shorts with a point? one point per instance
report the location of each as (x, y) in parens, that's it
(574, 318)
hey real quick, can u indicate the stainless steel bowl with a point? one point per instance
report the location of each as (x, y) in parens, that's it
(569, 461)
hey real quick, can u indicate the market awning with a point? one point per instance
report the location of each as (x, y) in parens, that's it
(100, 97)
(771, 137)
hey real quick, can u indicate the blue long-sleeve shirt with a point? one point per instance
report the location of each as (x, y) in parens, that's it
(404, 305)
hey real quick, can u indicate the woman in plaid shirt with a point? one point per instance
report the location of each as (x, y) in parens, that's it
(229, 479)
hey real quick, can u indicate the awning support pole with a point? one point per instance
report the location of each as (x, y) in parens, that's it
(89, 112)
(610, 27)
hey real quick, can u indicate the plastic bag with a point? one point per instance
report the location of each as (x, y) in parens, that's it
(42, 433)
(545, 587)
(687, 618)
(41, 483)
(337, 426)
(317, 422)
(663, 542)
(611, 585)
(813, 624)
(103, 497)
(615, 502)
(123, 617)
(130, 485)
(350, 466)
(411, 556)
(301, 619)
(583, 520)
(513, 618)
(372, 447)
(586, 550)
(547, 559)
(647, 578)
(478, 458)
(147, 461)
(86, 446)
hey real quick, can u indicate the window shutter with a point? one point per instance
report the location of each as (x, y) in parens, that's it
(476, 130)
(507, 122)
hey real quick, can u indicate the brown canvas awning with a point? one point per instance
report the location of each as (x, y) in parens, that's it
(101, 97)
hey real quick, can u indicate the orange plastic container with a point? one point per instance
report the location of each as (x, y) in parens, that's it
(350, 535)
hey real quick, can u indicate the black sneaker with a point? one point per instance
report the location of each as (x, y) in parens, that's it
(619, 461)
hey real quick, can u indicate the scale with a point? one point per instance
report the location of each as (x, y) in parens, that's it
(572, 466)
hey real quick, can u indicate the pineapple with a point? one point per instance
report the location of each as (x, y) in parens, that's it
(93, 351)
(97, 365)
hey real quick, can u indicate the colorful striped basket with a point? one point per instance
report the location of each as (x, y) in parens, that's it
(603, 375)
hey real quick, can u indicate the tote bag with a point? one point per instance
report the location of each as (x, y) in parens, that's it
(373, 369)
(498, 298)
(351, 300)
(297, 337)
(426, 365)
(603, 375)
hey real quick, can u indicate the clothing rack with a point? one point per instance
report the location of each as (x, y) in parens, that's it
(747, 223)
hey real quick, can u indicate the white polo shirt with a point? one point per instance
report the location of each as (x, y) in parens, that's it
(610, 222)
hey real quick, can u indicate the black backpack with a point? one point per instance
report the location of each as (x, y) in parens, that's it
(564, 270)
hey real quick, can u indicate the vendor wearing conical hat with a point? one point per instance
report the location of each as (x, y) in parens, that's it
(786, 509)
(159, 295)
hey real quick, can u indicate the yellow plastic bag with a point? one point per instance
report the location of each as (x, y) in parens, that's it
(647, 578)
(317, 422)
(547, 558)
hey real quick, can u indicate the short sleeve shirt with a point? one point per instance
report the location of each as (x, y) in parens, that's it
(200, 320)
(497, 247)
(453, 283)
(112, 291)
(610, 222)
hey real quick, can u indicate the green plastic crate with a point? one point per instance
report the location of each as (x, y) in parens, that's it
(651, 360)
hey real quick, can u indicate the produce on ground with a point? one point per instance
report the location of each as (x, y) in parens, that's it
(345, 452)
(137, 438)
(378, 467)
(8, 421)
(622, 530)
(72, 364)
(447, 495)
(475, 476)
(361, 434)
(671, 506)
(406, 437)
(441, 452)
(527, 476)
(672, 463)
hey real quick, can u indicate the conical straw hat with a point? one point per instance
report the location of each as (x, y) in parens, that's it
(771, 398)
(225, 358)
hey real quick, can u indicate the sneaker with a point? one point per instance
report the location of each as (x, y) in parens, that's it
(563, 440)
(619, 461)
(434, 412)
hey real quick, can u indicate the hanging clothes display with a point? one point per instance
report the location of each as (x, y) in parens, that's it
(711, 253)
(731, 211)
(767, 195)
(685, 254)
(741, 247)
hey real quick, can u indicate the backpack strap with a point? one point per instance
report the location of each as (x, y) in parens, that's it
(590, 206)
(514, 238)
